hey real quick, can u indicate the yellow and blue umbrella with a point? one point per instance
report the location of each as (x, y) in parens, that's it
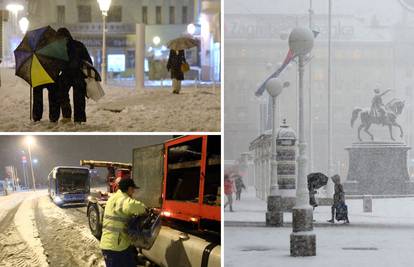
(41, 56)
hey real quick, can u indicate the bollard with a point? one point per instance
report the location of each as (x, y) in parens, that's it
(367, 203)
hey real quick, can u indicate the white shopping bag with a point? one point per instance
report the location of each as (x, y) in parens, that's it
(94, 89)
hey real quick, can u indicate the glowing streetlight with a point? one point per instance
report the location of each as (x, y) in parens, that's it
(30, 142)
(14, 8)
(104, 6)
(24, 24)
(156, 40)
(191, 28)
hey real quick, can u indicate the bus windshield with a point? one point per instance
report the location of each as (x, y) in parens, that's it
(73, 180)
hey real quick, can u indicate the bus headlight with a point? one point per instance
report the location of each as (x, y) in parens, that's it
(58, 199)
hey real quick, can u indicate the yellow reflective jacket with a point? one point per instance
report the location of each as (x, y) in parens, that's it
(118, 210)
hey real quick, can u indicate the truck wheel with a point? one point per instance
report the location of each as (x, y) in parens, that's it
(94, 223)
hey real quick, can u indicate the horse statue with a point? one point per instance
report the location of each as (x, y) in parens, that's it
(392, 110)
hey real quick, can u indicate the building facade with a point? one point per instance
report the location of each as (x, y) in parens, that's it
(366, 54)
(164, 20)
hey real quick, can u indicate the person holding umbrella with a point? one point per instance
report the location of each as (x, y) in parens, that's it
(72, 76)
(54, 107)
(339, 201)
(176, 60)
(239, 185)
(40, 57)
(315, 181)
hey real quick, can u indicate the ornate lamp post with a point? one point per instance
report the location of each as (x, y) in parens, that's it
(274, 214)
(302, 239)
(104, 6)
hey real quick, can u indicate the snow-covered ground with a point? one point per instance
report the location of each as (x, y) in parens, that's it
(386, 211)
(335, 247)
(121, 109)
(381, 238)
(35, 232)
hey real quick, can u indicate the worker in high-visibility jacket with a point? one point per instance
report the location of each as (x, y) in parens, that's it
(115, 242)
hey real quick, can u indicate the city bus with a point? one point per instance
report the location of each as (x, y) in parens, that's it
(69, 185)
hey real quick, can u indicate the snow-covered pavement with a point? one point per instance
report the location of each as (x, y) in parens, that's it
(335, 246)
(121, 109)
(386, 211)
(381, 238)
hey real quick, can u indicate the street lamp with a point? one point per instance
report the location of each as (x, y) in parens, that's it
(274, 214)
(29, 142)
(104, 7)
(24, 24)
(302, 239)
(14, 8)
(191, 28)
(156, 40)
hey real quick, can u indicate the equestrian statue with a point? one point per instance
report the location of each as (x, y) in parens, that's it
(385, 115)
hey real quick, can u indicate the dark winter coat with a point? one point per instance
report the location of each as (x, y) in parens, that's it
(72, 76)
(174, 64)
(339, 195)
(77, 53)
(239, 184)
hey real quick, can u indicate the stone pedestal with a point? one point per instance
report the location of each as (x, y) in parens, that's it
(274, 214)
(367, 203)
(377, 168)
(302, 240)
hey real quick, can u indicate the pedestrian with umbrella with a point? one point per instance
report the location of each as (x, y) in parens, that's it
(72, 76)
(315, 181)
(339, 202)
(176, 60)
(238, 180)
(39, 59)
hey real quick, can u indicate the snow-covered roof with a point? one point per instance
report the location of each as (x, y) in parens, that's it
(286, 132)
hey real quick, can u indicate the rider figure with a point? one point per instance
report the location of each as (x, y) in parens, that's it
(377, 107)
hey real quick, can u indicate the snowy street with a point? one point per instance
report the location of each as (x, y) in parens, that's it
(385, 211)
(337, 246)
(121, 109)
(379, 238)
(35, 232)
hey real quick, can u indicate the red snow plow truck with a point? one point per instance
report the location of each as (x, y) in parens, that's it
(180, 180)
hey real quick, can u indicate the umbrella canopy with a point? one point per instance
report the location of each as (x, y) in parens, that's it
(317, 180)
(41, 56)
(182, 43)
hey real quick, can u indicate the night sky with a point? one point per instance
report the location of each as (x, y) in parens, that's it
(68, 150)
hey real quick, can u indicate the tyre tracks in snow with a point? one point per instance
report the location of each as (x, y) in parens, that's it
(14, 250)
(66, 240)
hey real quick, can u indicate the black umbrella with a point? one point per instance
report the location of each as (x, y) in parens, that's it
(316, 180)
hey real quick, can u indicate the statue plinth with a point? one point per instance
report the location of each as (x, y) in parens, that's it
(378, 168)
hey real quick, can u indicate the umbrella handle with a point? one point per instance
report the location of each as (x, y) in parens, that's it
(30, 111)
